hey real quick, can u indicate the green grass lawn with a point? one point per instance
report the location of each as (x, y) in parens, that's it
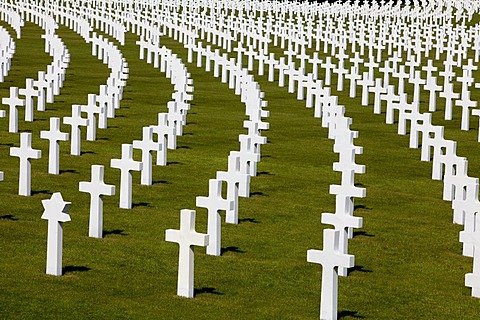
(408, 257)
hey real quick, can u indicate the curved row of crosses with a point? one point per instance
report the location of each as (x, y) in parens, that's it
(386, 50)
(7, 50)
(242, 164)
(412, 39)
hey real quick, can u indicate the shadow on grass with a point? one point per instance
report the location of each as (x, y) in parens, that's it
(118, 232)
(361, 207)
(258, 193)
(231, 249)
(358, 268)
(208, 290)
(86, 152)
(184, 147)
(251, 220)
(352, 314)
(140, 204)
(8, 217)
(362, 233)
(34, 192)
(264, 173)
(68, 171)
(71, 269)
(169, 163)
(161, 182)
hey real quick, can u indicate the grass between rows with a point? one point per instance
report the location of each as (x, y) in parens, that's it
(408, 258)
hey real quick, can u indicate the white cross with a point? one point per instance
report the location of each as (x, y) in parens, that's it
(25, 153)
(444, 155)
(466, 81)
(147, 145)
(353, 76)
(386, 70)
(416, 80)
(464, 211)
(378, 90)
(281, 66)
(75, 121)
(401, 75)
(328, 66)
(448, 94)
(433, 88)
(214, 203)
(41, 84)
(472, 280)
(175, 117)
(429, 68)
(365, 82)
(315, 61)
(96, 188)
(340, 71)
(54, 135)
(238, 184)
(371, 64)
(166, 137)
(186, 237)
(476, 112)
(466, 104)
(271, 62)
(91, 109)
(248, 156)
(56, 212)
(13, 102)
(428, 137)
(331, 259)
(29, 92)
(126, 164)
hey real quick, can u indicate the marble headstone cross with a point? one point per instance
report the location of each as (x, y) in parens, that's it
(29, 92)
(126, 164)
(214, 203)
(331, 259)
(25, 153)
(54, 135)
(75, 121)
(96, 188)
(147, 145)
(186, 237)
(13, 102)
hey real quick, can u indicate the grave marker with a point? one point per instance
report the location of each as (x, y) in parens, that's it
(186, 237)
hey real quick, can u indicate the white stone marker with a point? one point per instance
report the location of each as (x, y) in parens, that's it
(13, 102)
(25, 153)
(91, 109)
(29, 92)
(214, 203)
(472, 280)
(54, 135)
(238, 184)
(126, 164)
(147, 145)
(97, 188)
(41, 84)
(56, 212)
(331, 259)
(75, 121)
(186, 237)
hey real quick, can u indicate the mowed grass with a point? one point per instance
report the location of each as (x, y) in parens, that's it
(408, 258)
